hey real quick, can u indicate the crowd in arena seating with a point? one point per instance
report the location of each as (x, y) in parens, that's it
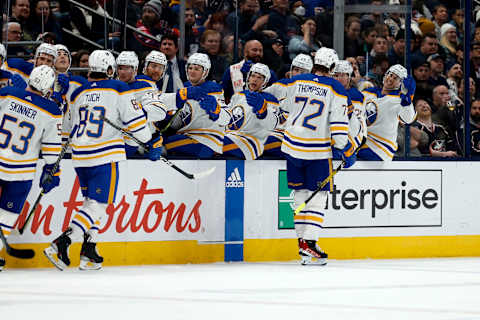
(284, 28)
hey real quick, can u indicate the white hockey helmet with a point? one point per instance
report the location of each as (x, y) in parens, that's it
(156, 57)
(128, 58)
(343, 66)
(398, 70)
(102, 61)
(3, 53)
(325, 57)
(262, 69)
(64, 48)
(202, 60)
(46, 48)
(41, 79)
(303, 61)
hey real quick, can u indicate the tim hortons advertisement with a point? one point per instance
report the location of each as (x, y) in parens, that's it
(153, 203)
(369, 198)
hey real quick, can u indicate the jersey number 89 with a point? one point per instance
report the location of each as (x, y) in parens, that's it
(92, 116)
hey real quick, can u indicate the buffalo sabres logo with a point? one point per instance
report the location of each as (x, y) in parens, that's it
(238, 118)
(185, 115)
(371, 111)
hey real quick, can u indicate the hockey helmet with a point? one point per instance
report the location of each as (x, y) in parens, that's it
(3, 53)
(200, 59)
(343, 66)
(325, 57)
(41, 79)
(102, 61)
(262, 69)
(46, 48)
(156, 57)
(128, 58)
(399, 71)
(302, 61)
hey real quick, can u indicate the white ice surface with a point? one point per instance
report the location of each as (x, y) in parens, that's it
(410, 289)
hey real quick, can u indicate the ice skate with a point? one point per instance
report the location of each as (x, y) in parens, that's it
(312, 254)
(2, 263)
(89, 257)
(59, 247)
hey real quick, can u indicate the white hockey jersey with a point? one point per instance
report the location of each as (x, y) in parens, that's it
(96, 142)
(247, 131)
(357, 126)
(74, 83)
(318, 108)
(382, 115)
(29, 124)
(194, 122)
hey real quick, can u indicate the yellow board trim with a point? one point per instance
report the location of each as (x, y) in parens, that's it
(128, 253)
(113, 182)
(367, 247)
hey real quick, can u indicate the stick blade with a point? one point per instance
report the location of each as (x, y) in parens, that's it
(21, 253)
(204, 174)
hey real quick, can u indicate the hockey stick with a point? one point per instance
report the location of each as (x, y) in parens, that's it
(54, 169)
(168, 162)
(170, 121)
(17, 253)
(325, 181)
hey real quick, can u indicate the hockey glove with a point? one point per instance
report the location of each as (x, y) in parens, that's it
(258, 104)
(47, 180)
(130, 150)
(408, 86)
(18, 82)
(194, 93)
(405, 100)
(349, 155)
(210, 105)
(155, 148)
(64, 83)
(58, 98)
(246, 66)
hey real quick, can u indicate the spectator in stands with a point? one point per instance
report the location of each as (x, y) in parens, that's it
(210, 44)
(42, 20)
(80, 60)
(440, 143)
(305, 42)
(440, 17)
(475, 127)
(12, 31)
(379, 67)
(275, 57)
(396, 55)
(201, 12)
(461, 91)
(192, 32)
(458, 18)
(351, 44)
(448, 41)
(454, 76)
(368, 37)
(428, 46)
(21, 14)
(175, 74)
(443, 111)
(380, 46)
(475, 62)
(228, 47)
(276, 19)
(152, 24)
(247, 14)
(233, 79)
(217, 22)
(436, 70)
(418, 139)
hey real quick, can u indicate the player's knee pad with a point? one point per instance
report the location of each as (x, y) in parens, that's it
(7, 220)
(299, 196)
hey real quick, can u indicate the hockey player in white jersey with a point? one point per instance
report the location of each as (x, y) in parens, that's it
(201, 122)
(4, 74)
(317, 122)
(253, 116)
(30, 124)
(357, 127)
(301, 64)
(96, 150)
(384, 106)
(154, 68)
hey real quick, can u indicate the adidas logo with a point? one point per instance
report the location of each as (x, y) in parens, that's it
(234, 180)
(28, 98)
